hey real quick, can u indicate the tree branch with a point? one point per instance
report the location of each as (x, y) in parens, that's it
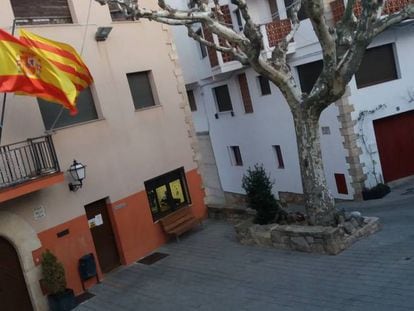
(326, 36)
(392, 19)
(239, 55)
(251, 31)
(280, 51)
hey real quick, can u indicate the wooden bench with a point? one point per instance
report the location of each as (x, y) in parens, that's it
(179, 222)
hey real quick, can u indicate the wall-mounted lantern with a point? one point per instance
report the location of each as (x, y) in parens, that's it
(78, 172)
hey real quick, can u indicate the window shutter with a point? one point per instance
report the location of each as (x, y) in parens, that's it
(244, 89)
(141, 91)
(371, 73)
(57, 11)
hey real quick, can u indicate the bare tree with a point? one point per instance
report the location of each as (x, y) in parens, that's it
(343, 45)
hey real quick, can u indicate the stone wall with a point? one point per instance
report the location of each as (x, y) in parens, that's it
(312, 239)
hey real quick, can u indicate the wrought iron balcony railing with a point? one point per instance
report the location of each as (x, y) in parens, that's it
(27, 160)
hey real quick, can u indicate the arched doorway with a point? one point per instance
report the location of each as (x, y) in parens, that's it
(13, 290)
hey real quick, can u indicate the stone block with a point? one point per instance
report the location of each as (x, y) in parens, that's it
(318, 248)
(349, 228)
(300, 244)
(261, 235)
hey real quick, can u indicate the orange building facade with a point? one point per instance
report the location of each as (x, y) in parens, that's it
(133, 133)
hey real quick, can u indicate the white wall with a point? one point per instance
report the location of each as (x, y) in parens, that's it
(393, 94)
(271, 122)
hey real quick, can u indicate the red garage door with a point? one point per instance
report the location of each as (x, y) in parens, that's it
(395, 140)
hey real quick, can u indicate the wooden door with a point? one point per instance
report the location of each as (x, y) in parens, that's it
(103, 235)
(395, 141)
(13, 291)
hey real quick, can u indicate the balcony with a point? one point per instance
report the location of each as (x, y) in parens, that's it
(273, 33)
(391, 6)
(28, 166)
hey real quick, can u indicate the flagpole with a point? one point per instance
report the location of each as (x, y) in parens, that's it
(5, 94)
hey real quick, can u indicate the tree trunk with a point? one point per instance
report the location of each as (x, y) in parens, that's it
(319, 203)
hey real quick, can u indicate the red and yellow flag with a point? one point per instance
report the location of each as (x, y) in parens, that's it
(62, 55)
(39, 67)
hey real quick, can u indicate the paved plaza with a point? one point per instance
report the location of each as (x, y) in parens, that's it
(209, 270)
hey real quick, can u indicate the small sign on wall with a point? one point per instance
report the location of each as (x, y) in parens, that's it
(39, 212)
(95, 221)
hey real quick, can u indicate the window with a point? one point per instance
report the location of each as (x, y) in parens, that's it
(191, 100)
(41, 12)
(235, 156)
(116, 12)
(264, 85)
(238, 19)
(341, 184)
(141, 90)
(203, 48)
(223, 99)
(50, 111)
(308, 74)
(377, 66)
(279, 157)
(301, 14)
(326, 130)
(167, 192)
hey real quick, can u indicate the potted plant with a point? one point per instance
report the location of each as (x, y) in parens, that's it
(60, 298)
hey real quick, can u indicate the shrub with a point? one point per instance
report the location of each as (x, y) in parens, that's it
(258, 187)
(53, 273)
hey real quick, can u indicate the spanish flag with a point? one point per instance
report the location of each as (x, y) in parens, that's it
(62, 55)
(27, 69)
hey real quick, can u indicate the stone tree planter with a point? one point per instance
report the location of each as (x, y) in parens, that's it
(312, 239)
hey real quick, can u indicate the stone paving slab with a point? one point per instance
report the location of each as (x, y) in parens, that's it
(209, 270)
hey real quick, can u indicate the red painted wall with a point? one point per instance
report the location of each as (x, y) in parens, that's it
(135, 232)
(70, 248)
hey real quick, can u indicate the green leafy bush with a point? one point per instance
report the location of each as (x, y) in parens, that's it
(53, 273)
(258, 187)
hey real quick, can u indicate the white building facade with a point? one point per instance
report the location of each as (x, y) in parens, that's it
(248, 121)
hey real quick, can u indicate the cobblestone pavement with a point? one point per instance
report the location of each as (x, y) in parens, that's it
(209, 270)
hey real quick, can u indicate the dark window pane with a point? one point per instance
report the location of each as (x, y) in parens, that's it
(238, 161)
(167, 192)
(238, 19)
(141, 90)
(301, 14)
(191, 100)
(46, 11)
(116, 13)
(279, 156)
(341, 184)
(378, 66)
(223, 98)
(85, 105)
(308, 74)
(203, 48)
(264, 85)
